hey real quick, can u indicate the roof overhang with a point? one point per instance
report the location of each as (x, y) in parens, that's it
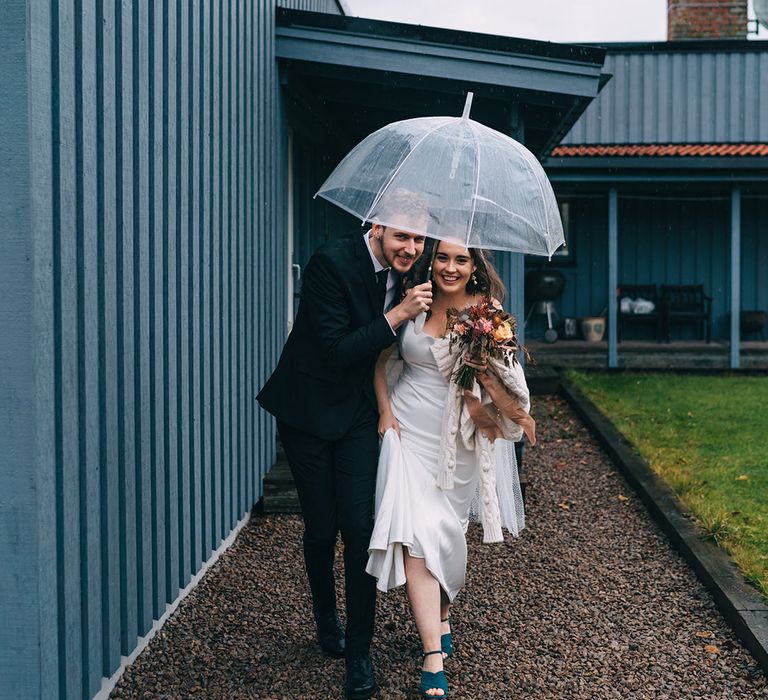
(656, 168)
(658, 164)
(367, 73)
(649, 174)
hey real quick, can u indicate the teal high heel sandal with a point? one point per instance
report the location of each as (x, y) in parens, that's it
(432, 681)
(446, 641)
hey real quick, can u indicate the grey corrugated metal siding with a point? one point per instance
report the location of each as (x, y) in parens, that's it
(148, 263)
(679, 97)
(331, 7)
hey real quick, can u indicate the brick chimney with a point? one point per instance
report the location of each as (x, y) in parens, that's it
(706, 19)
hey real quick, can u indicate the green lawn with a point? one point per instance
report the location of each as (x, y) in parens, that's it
(707, 437)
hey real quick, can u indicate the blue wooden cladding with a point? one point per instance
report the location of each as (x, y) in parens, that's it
(662, 93)
(20, 522)
(331, 7)
(143, 277)
(675, 237)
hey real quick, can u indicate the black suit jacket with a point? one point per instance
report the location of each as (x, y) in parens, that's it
(339, 331)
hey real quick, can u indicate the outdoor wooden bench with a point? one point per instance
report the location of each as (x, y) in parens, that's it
(653, 319)
(686, 303)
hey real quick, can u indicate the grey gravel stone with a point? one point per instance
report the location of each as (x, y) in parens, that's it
(589, 603)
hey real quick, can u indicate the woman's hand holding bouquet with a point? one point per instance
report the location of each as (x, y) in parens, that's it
(485, 330)
(507, 404)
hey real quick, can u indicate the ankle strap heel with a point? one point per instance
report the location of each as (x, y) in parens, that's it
(446, 641)
(433, 681)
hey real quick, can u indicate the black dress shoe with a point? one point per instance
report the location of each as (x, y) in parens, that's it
(360, 681)
(330, 634)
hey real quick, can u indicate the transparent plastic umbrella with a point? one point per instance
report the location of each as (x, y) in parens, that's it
(450, 177)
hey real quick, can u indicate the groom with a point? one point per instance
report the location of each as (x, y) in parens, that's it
(322, 396)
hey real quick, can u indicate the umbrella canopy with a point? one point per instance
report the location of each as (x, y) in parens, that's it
(450, 177)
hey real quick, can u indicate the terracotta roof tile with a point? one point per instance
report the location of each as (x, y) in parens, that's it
(657, 149)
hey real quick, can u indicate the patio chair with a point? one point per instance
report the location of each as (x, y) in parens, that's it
(687, 303)
(652, 319)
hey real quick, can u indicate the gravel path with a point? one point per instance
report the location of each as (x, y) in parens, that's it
(589, 603)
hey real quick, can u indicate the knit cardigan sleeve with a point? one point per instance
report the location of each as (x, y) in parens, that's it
(513, 378)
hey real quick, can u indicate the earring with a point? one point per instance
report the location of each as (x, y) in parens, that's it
(473, 279)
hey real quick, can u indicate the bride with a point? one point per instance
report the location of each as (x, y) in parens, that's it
(439, 465)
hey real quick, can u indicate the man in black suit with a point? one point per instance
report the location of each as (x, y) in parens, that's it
(322, 396)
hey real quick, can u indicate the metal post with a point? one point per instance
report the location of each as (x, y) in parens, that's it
(516, 294)
(735, 275)
(613, 264)
(517, 260)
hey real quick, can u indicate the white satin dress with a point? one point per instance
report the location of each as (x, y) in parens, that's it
(410, 508)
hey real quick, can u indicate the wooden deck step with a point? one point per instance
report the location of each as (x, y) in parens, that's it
(542, 379)
(279, 490)
(678, 355)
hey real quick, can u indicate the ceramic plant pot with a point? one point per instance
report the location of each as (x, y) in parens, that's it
(593, 328)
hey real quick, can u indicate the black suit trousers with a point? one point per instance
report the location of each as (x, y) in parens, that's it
(336, 484)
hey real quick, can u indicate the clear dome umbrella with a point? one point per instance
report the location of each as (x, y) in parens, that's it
(450, 177)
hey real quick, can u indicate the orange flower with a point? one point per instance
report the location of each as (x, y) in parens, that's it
(502, 333)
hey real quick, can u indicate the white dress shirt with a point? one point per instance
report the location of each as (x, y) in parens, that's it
(389, 296)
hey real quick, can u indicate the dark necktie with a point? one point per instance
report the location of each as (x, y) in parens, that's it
(381, 284)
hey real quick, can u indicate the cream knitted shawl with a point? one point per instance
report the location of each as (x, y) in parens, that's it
(457, 424)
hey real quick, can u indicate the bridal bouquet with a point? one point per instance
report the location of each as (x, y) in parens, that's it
(481, 331)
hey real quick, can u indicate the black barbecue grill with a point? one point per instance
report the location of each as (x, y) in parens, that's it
(542, 288)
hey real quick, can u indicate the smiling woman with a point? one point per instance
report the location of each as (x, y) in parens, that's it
(431, 481)
(453, 267)
(452, 264)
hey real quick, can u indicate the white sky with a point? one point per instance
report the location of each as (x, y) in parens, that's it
(550, 20)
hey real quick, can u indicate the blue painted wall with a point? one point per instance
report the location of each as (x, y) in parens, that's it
(143, 302)
(332, 7)
(680, 93)
(754, 258)
(20, 530)
(664, 239)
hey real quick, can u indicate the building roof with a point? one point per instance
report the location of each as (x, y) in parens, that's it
(662, 150)
(374, 28)
(356, 75)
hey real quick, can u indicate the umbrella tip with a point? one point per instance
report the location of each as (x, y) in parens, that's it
(467, 105)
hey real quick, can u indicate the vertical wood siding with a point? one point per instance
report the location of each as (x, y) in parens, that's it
(674, 97)
(754, 252)
(157, 295)
(19, 528)
(331, 7)
(665, 241)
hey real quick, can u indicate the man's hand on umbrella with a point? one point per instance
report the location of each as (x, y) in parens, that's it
(416, 300)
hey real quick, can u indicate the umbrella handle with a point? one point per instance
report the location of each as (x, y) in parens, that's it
(432, 260)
